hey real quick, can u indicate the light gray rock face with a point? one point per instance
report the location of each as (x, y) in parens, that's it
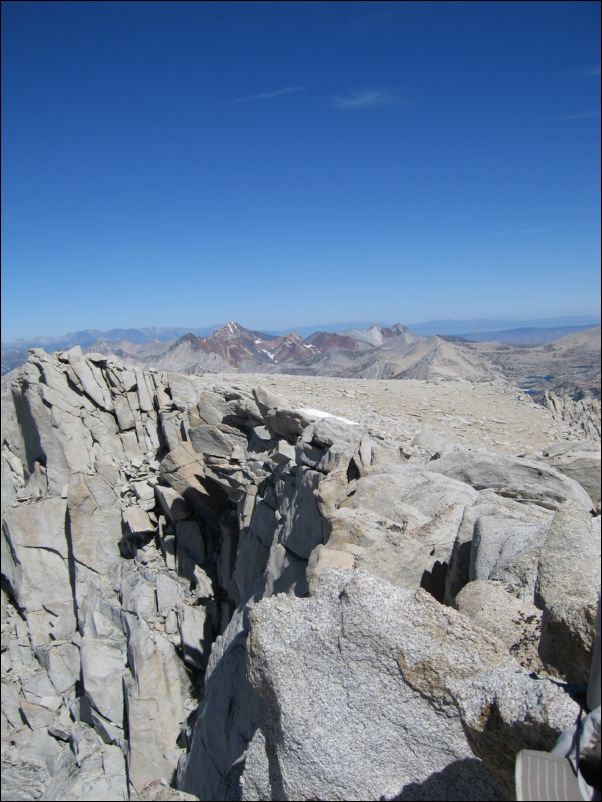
(279, 416)
(287, 423)
(39, 766)
(102, 664)
(267, 400)
(568, 584)
(301, 527)
(94, 527)
(211, 441)
(125, 418)
(580, 461)
(523, 480)
(36, 758)
(396, 661)
(330, 444)
(80, 428)
(42, 442)
(160, 791)
(183, 391)
(155, 695)
(167, 539)
(430, 442)
(210, 408)
(194, 627)
(507, 549)
(90, 379)
(429, 493)
(582, 416)
(137, 521)
(370, 542)
(35, 555)
(172, 503)
(221, 736)
(492, 507)
(12, 478)
(183, 470)
(517, 623)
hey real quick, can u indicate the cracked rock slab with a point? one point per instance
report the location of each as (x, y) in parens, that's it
(409, 673)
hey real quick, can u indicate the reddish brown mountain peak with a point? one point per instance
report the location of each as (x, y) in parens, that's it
(325, 340)
(228, 330)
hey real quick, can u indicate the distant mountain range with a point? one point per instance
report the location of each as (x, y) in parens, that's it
(500, 325)
(534, 358)
(570, 363)
(376, 352)
(86, 337)
(524, 336)
(476, 328)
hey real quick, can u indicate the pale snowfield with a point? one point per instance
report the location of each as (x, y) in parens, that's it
(319, 413)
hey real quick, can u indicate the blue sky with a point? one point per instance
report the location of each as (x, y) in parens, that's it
(291, 163)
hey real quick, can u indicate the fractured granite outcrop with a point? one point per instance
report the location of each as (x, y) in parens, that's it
(210, 587)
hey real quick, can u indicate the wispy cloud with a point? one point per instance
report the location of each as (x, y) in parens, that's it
(134, 253)
(286, 90)
(532, 230)
(592, 72)
(589, 114)
(369, 99)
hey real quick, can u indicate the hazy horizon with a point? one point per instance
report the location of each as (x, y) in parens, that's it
(455, 325)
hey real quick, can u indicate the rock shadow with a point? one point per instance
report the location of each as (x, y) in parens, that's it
(464, 780)
(433, 581)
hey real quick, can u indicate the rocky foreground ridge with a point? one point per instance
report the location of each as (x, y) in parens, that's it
(211, 587)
